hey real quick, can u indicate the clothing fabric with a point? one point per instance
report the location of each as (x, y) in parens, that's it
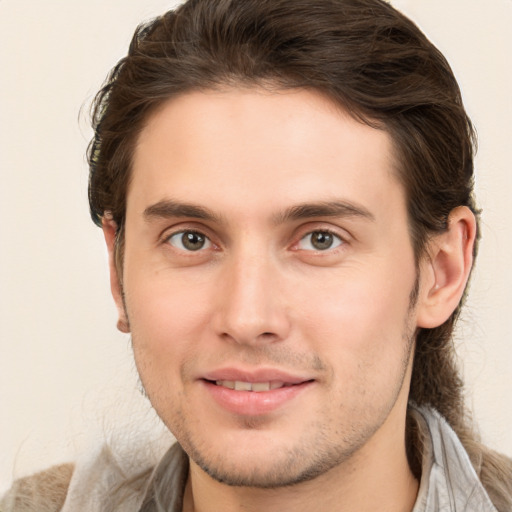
(104, 482)
(449, 482)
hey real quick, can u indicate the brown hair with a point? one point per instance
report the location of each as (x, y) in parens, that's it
(365, 56)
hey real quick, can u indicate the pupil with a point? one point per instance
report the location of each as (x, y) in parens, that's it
(321, 240)
(193, 241)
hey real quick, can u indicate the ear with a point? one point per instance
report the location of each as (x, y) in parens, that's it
(109, 231)
(446, 269)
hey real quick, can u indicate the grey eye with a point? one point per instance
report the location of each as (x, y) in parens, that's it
(320, 241)
(189, 241)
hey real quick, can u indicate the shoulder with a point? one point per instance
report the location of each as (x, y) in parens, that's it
(106, 479)
(100, 480)
(45, 491)
(109, 475)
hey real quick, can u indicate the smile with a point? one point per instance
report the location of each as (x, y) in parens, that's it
(256, 396)
(257, 387)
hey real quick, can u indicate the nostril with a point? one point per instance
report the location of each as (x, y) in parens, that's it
(268, 336)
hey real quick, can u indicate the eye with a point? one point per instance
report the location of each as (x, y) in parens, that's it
(319, 241)
(189, 241)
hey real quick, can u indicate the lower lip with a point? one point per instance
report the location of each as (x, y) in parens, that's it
(254, 403)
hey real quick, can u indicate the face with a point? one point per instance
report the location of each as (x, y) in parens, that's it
(267, 282)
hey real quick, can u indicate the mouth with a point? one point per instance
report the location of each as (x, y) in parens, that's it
(255, 394)
(257, 387)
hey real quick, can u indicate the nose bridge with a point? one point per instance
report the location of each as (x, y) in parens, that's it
(251, 309)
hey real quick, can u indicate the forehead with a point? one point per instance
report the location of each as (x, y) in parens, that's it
(254, 150)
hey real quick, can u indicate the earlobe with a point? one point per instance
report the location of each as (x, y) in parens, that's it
(109, 231)
(447, 269)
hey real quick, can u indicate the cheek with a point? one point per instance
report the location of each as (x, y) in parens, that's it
(166, 318)
(359, 317)
(365, 339)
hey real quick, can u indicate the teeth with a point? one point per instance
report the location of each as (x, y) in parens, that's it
(250, 386)
(261, 386)
(230, 384)
(243, 386)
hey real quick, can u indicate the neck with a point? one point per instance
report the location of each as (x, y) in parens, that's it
(376, 477)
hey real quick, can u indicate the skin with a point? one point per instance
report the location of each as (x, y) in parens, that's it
(261, 294)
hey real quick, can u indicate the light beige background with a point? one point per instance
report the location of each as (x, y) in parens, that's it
(66, 375)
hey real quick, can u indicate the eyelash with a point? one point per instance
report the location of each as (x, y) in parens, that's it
(336, 239)
(189, 232)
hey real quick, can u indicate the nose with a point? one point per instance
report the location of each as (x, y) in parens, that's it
(251, 305)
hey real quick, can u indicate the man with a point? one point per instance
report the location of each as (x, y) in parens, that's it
(285, 190)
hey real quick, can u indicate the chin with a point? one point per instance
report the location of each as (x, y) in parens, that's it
(266, 476)
(268, 462)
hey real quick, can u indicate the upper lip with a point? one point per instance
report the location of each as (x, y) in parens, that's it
(254, 375)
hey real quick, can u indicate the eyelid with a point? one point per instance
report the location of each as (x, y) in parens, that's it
(208, 242)
(184, 227)
(303, 231)
(322, 227)
(336, 243)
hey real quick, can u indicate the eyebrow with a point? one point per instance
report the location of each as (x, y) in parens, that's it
(169, 208)
(324, 209)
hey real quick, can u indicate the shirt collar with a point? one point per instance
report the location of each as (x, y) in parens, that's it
(448, 481)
